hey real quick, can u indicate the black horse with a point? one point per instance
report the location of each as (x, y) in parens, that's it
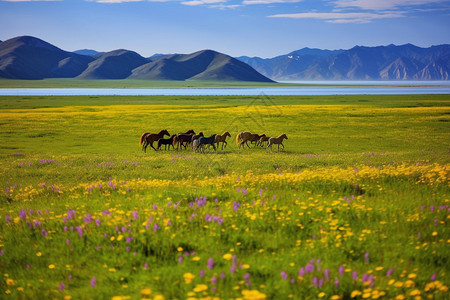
(166, 142)
(206, 141)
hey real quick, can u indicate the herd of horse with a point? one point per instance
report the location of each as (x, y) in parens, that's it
(199, 142)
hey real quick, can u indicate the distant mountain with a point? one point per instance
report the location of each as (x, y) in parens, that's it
(406, 62)
(117, 64)
(28, 57)
(201, 65)
(88, 52)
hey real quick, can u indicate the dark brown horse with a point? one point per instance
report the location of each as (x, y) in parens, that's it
(263, 141)
(256, 137)
(197, 136)
(149, 138)
(165, 142)
(183, 139)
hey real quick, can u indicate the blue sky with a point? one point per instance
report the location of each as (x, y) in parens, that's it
(264, 28)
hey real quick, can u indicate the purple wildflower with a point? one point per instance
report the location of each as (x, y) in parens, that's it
(284, 275)
(23, 214)
(354, 275)
(301, 272)
(214, 279)
(202, 273)
(210, 263)
(326, 273)
(93, 281)
(309, 268)
(389, 272)
(97, 222)
(341, 270)
(88, 218)
(135, 215)
(336, 282)
(62, 286)
(433, 277)
(366, 257)
(80, 230)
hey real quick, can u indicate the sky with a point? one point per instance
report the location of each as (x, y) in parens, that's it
(264, 28)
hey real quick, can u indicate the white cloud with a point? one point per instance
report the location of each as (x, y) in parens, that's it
(247, 2)
(341, 17)
(201, 2)
(382, 4)
(116, 1)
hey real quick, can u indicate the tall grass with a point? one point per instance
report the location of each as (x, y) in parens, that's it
(355, 208)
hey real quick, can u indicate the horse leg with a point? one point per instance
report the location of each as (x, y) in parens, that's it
(214, 147)
(224, 144)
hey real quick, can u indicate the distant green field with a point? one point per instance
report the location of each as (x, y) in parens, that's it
(128, 83)
(356, 207)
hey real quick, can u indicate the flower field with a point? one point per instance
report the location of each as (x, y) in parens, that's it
(357, 207)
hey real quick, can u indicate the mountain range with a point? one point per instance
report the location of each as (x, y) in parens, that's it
(405, 62)
(27, 57)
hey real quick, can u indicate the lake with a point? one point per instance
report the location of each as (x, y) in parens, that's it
(320, 88)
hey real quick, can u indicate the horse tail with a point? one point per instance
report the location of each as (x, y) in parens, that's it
(238, 138)
(142, 138)
(174, 141)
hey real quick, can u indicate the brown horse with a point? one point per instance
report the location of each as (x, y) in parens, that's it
(276, 141)
(197, 136)
(256, 137)
(222, 139)
(183, 139)
(149, 138)
(242, 138)
(263, 140)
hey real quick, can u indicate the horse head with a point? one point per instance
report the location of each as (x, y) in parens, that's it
(226, 133)
(164, 132)
(190, 131)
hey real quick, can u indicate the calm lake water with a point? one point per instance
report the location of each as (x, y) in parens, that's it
(338, 88)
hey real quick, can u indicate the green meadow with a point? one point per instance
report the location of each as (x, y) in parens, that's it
(355, 207)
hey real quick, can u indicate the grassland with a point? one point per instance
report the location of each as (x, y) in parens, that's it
(357, 206)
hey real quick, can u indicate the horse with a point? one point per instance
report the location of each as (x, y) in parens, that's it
(195, 144)
(222, 139)
(148, 139)
(256, 137)
(242, 138)
(165, 142)
(206, 141)
(189, 131)
(182, 139)
(197, 136)
(263, 140)
(276, 141)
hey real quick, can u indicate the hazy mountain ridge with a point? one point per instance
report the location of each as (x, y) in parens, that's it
(405, 62)
(28, 57)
